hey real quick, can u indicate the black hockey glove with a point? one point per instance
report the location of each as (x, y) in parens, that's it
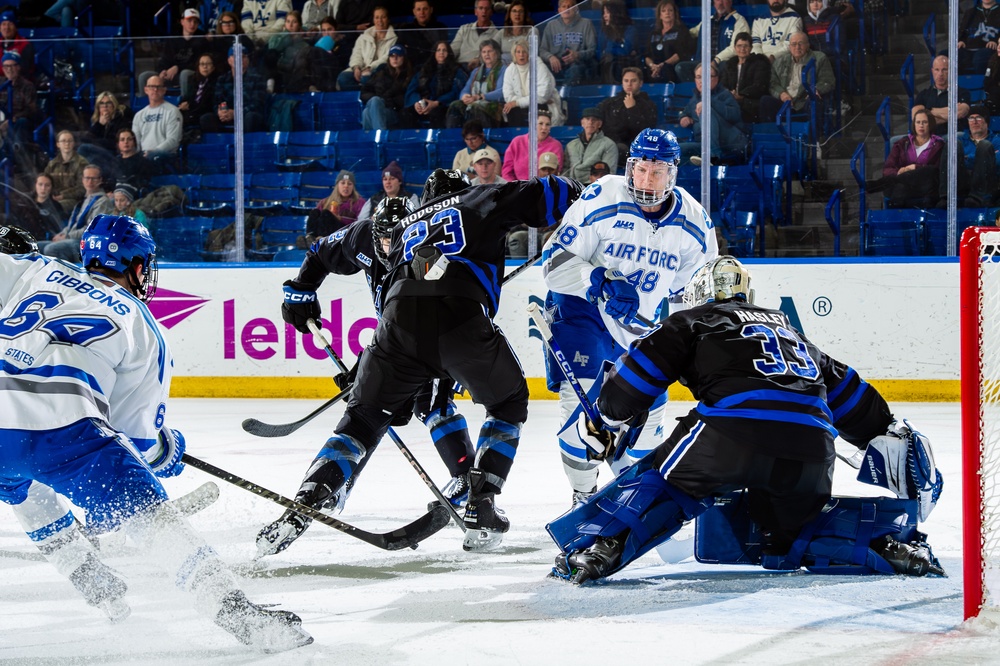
(301, 305)
(344, 380)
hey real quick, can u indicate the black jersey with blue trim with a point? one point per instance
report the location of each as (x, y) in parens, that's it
(345, 252)
(469, 229)
(757, 379)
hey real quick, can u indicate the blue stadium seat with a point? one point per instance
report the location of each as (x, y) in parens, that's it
(340, 110)
(936, 227)
(369, 182)
(180, 238)
(412, 148)
(893, 232)
(316, 185)
(289, 256)
(279, 232)
(301, 151)
(206, 158)
(359, 150)
(449, 142)
(580, 97)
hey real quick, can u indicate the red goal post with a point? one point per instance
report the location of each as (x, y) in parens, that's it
(980, 333)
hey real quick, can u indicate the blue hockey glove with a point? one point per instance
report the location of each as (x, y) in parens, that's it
(167, 453)
(301, 305)
(621, 297)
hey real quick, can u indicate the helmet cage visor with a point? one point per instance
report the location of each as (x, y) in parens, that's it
(649, 182)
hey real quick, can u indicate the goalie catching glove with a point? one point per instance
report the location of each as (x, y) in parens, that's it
(164, 457)
(301, 304)
(902, 461)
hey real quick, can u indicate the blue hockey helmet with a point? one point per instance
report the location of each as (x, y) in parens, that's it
(118, 243)
(15, 240)
(721, 278)
(652, 184)
(442, 182)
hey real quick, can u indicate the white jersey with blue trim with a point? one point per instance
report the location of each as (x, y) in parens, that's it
(76, 345)
(605, 227)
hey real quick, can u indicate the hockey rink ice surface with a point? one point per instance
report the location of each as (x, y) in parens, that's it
(440, 606)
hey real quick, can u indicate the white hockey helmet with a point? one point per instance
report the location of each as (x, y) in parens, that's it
(722, 278)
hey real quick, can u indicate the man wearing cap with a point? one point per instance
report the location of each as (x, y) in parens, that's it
(11, 41)
(590, 147)
(24, 103)
(981, 149)
(548, 164)
(486, 164)
(599, 170)
(254, 99)
(392, 186)
(628, 113)
(262, 19)
(179, 58)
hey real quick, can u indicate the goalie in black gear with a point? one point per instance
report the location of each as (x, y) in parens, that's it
(445, 263)
(770, 406)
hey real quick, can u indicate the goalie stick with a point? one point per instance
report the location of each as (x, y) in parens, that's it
(405, 450)
(407, 536)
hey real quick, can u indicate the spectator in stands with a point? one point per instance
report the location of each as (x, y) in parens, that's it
(262, 19)
(590, 147)
(124, 197)
(771, 33)
(816, 22)
(227, 29)
(481, 99)
(981, 149)
(598, 171)
(628, 112)
(670, 45)
(66, 244)
(179, 59)
(159, 126)
(370, 51)
(475, 140)
(109, 116)
(212, 11)
(747, 77)
(315, 11)
(934, 98)
(20, 98)
(421, 35)
(12, 42)
(64, 12)
(569, 45)
(436, 85)
(616, 43)
(349, 202)
(786, 79)
(978, 34)
(910, 175)
(66, 171)
(392, 186)
(51, 216)
(384, 94)
(254, 100)
(326, 58)
(470, 36)
(486, 164)
(991, 85)
(516, 26)
(354, 17)
(728, 141)
(726, 23)
(516, 88)
(131, 166)
(201, 99)
(287, 56)
(515, 160)
(322, 221)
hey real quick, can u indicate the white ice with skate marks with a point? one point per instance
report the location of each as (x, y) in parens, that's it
(439, 605)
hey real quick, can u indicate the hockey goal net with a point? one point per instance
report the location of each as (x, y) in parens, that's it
(980, 330)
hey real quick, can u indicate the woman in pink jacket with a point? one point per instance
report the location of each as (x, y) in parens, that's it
(515, 159)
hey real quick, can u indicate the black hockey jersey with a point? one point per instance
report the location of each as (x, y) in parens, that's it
(345, 252)
(757, 379)
(469, 229)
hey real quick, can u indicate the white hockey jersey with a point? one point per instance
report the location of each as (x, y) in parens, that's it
(605, 227)
(770, 34)
(75, 345)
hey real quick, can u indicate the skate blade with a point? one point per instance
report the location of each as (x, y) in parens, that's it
(289, 639)
(117, 610)
(481, 539)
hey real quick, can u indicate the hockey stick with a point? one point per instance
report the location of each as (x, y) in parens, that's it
(520, 269)
(407, 536)
(261, 429)
(318, 334)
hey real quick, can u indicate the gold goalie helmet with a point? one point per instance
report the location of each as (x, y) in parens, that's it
(719, 279)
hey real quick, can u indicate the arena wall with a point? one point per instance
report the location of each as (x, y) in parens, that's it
(895, 322)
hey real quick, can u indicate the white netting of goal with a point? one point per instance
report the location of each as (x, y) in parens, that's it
(989, 413)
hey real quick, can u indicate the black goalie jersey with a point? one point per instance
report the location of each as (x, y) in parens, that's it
(757, 379)
(468, 231)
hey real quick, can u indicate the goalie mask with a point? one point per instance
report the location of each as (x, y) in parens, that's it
(15, 240)
(388, 213)
(442, 182)
(651, 167)
(718, 280)
(118, 243)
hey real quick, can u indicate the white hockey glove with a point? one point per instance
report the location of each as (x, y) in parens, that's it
(164, 457)
(902, 461)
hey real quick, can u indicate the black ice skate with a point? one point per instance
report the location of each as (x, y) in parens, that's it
(280, 534)
(592, 563)
(484, 523)
(261, 628)
(908, 559)
(101, 588)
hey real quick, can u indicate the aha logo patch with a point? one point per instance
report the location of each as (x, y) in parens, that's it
(593, 190)
(623, 224)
